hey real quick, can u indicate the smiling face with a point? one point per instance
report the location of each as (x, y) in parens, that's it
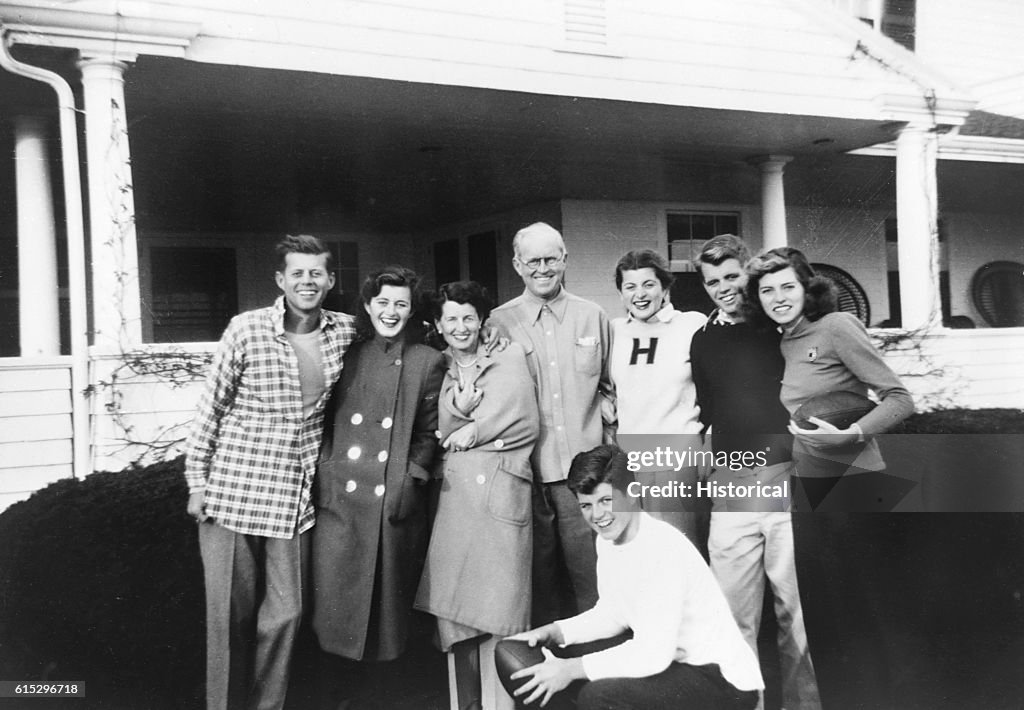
(642, 293)
(390, 310)
(782, 296)
(725, 283)
(540, 262)
(305, 282)
(460, 325)
(610, 513)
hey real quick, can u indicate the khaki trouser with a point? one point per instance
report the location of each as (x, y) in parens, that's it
(254, 598)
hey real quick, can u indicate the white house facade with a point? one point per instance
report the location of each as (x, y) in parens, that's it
(158, 149)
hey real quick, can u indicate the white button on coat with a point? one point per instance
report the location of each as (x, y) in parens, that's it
(350, 487)
(382, 456)
(481, 479)
(379, 490)
(355, 452)
(498, 443)
(357, 418)
(386, 423)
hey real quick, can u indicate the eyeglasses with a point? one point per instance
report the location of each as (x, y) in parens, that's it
(548, 261)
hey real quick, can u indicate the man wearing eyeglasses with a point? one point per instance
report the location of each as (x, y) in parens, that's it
(567, 339)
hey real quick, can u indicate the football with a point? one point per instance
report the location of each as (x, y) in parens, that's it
(511, 656)
(840, 409)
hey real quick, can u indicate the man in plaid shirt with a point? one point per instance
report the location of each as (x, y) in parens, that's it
(250, 462)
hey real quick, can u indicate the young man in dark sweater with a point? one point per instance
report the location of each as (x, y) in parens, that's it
(738, 370)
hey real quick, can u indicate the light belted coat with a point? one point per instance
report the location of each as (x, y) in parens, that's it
(478, 573)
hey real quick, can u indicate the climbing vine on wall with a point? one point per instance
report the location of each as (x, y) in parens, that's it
(125, 366)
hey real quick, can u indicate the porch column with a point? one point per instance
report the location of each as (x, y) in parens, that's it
(38, 311)
(917, 225)
(773, 199)
(115, 260)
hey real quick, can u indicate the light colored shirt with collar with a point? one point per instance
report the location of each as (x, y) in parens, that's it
(567, 340)
(658, 586)
(252, 447)
(650, 369)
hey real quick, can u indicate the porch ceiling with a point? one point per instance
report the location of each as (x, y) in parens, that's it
(289, 148)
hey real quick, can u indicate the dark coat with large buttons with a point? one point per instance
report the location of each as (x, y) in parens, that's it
(371, 531)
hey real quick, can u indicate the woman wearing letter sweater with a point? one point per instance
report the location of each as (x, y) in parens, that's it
(649, 365)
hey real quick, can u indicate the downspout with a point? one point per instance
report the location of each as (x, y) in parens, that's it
(81, 465)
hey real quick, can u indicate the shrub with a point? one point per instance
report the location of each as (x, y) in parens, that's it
(102, 582)
(964, 421)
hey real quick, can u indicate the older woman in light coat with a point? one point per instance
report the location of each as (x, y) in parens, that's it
(477, 575)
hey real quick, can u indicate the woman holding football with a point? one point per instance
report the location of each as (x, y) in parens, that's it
(825, 352)
(848, 564)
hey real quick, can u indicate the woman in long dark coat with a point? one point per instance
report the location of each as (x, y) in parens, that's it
(379, 442)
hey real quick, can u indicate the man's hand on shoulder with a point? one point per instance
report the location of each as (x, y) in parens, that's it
(494, 339)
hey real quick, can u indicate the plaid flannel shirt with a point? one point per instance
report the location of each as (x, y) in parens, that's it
(250, 449)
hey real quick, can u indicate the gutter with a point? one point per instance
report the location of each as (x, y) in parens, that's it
(77, 296)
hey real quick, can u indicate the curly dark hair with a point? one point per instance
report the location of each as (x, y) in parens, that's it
(391, 276)
(469, 292)
(819, 292)
(644, 259)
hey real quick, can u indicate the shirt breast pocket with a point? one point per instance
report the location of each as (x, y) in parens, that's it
(588, 356)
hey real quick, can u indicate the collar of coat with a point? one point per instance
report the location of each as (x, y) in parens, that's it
(482, 364)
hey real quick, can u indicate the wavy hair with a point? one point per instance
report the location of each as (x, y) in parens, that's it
(302, 244)
(469, 292)
(819, 292)
(390, 276)
(644, 259)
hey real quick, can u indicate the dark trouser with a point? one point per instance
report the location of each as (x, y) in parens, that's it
(678, 687)
(564, 559)
(254, 599)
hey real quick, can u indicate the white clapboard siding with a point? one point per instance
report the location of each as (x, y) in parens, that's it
(35, 426)
(20, 484)
(30, 403)
(20, 455)
(140, 408)
(34, 380)
(979, 368)
(38, 428)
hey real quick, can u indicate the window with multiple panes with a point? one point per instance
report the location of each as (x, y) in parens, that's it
(687, 232)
